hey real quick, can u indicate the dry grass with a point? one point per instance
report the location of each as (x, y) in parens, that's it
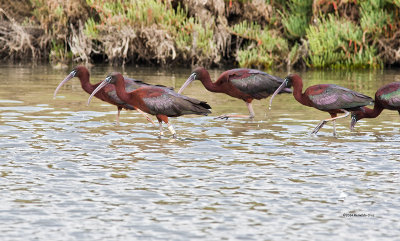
(15, 42)
(248, 33)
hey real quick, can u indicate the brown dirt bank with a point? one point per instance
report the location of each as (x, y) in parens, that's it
(247, 33)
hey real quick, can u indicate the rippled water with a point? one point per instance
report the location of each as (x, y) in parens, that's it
(69, 173)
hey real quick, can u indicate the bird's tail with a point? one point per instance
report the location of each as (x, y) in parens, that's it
(199, 108)
(205, 105)
(202, 108)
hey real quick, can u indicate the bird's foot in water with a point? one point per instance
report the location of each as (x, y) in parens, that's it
(225, 117)
(222, 117)
(172, 130)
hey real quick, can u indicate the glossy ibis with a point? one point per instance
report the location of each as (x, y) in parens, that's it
(154, 100)
(244, 84)
(386, 97)
(108, 94)
(331, 98)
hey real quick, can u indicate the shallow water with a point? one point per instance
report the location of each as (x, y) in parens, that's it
(67, 172)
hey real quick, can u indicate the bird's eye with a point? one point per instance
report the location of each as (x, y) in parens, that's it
(286, 81)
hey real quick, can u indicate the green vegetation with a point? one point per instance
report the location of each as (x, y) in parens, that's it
(298, 17)
(264, 49)
(248, 33)
(338, 43)
(166, 32)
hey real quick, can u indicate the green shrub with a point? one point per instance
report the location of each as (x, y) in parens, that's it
(337, 43)
(297, 18)
(264, 48)
(374, 18)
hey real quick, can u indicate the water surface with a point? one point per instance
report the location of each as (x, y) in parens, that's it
(67, 172)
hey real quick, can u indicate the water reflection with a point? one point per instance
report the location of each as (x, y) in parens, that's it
(67, 168)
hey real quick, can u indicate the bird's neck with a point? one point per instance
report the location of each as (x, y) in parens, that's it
(121, 91)
(209, 85)
(371, 113)
(85, 82)
(297, 93)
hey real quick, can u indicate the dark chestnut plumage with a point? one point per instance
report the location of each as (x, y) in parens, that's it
(108, 93)
(331, 98)
(155, 100)
(386, 97)
(244, 84)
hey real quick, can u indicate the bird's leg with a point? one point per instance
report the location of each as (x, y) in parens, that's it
(145, 115)
(334, 127)
(160, 124)
(319, 126)
(164, 118)
(249, 107)
(160, 119)
(322, 123)
(251, 111)
(171, 129)
(118, 113)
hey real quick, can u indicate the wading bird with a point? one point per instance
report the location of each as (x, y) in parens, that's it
(244, 84)
(154, 100)
(386, 97)
(331, 98)
(107, 94)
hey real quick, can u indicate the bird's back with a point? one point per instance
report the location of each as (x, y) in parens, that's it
(389, 96)
(111, 94)
(158, 100)
(253, 82)
(130, 85)
(333, 97)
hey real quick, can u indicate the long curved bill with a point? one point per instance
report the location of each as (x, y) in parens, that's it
(70, 76)
(101, 85)
(281, 87)
(188, 81)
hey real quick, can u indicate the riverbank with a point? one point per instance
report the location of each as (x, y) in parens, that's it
(259, 34)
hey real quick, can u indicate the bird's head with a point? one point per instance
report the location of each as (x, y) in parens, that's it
(290, 79)
(197, 74)
(78, 71)
(287, 83)
(356, 116)
(110, 79)
(113, 77)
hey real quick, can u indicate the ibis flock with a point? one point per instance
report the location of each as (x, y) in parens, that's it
(245, 84)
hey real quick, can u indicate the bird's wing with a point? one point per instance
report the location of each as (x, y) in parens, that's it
(134, 84)
(394, 100)
(390, 94)
(255, 83)
(113, 95)
(130, 85)
(333, 97)
(170, 103)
